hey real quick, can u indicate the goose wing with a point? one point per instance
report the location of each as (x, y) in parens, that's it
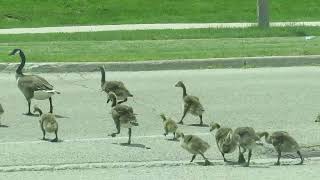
(35, 83)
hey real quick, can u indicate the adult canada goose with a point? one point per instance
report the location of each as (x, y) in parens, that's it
(194, 145)
(48, 123)
(122, 115)
(33, 86)
(225, 140)
(191, 104)
(1, 112)
(282, 142)
(246, 138)
(169, 126)
(116, 87)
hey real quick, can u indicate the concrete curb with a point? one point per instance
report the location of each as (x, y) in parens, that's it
(213, 63)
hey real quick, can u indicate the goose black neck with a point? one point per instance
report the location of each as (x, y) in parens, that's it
(184, 90)
(103, 75)
(39, 110)
(22, 63)
(114, 101)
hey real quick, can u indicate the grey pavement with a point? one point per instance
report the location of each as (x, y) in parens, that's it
(265, 98)
(96, 28)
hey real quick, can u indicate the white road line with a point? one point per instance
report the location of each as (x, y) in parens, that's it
(93, 139)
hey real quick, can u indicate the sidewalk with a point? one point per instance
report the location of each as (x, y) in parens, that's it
(72, 29)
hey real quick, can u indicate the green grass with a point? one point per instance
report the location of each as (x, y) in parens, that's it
(36, 13)
(121, 50)
(165, 34)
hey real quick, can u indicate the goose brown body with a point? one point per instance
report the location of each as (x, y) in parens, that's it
(116, 87)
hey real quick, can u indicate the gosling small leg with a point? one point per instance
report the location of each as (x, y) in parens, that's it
(129, 132)
(206, 161)
(108, 100)
(241, 158)
(201, 122)
(118, 129)
(224, 159)
(301, 162)
(249, 157)
(193, 157)
(186, 109)
(279, 156)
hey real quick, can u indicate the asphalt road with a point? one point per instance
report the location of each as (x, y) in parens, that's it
(267, 99)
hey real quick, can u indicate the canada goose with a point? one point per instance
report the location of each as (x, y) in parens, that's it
(1, 112)
(33, 86)
(246, 138)
(194, 145)
(224, 139)
(116, 87)
(191, 104)
(48, 123)
(122, 115)
(282, 142)
(169, 126)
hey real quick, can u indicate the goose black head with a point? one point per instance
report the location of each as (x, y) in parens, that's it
(15, 51)
(179, 84)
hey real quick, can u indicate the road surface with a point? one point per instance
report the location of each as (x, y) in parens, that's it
(267, 99)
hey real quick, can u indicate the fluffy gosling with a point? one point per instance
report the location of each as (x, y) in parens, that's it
(194, 145)
(169, 126)
(48, 123)
(225, 140)
(282, 142)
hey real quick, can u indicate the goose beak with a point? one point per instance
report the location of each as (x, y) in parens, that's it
(11, 54)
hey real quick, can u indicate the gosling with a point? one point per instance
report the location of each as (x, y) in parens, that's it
(123, 116)
(191, 104)
(48, 123)
(169, 126)
(282, 142)
(246, 138)
(194, 145)
(225, 140)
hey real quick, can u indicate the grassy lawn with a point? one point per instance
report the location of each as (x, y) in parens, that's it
(122, 50)
(36, 13)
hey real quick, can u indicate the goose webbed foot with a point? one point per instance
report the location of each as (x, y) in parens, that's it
(44, 139)
(54, 140)
(277, 164)
(241, 159)
(29, 114)
(180, 122)
(165, 134)
(246, 164)
(207, 162)
(113, 134)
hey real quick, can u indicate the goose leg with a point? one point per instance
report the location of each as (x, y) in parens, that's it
(279, 156)
(186, 109)
(241, 158)
(174, 136)
(193, 157)
(108, 100)
(301, 162)
(165, 131)
(249, 157)
(224, 159)
(201, 123)
(51, 107)
(129, 132)
(206, 161)
(55, 139)
(29, 108)
(125, 100)
(118, 129)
